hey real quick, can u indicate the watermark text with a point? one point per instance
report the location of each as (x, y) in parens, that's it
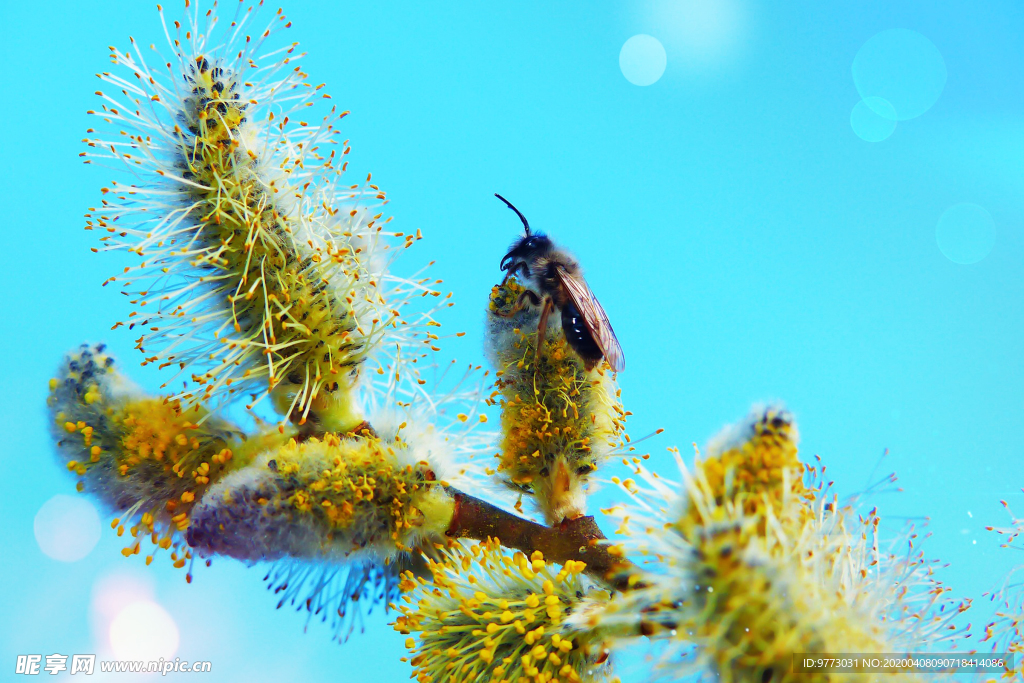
(34, 665)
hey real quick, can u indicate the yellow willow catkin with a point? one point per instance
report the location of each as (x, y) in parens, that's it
(486, 615)
(559, 421)
(1005, 632)
(755, 610)
(752, 464)
(145, 457)
(351, 496)
(340, 516)
(757, 565)
(259, 271)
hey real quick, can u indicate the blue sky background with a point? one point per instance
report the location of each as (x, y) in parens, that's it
(747, 244)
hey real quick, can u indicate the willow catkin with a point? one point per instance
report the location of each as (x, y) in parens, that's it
(256, 269)
(559, 421)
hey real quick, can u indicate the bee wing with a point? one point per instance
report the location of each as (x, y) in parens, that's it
(598, 325)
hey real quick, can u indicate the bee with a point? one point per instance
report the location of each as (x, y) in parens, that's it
(554, 280)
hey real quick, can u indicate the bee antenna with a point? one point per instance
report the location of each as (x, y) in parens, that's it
(526, 224)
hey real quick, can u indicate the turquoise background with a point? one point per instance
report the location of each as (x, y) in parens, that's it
(746, 243)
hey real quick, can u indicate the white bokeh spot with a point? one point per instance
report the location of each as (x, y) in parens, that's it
(642, 59)
(965, 233)
(706, 34)
(67, 528)
(868, 123)
(111, 593)
(902, 68)
(143, 630)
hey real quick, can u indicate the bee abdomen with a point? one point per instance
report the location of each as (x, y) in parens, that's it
(577, 334)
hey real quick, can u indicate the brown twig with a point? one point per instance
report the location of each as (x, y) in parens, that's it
(577, 539)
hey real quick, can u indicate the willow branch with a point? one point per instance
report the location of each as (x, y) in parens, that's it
(578, 539)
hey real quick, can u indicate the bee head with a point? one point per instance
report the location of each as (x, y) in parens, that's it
(524, 249)
(528, 245)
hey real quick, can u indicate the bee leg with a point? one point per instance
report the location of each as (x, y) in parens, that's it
(508, 273)
(512, 271)
(527, 294)
(542, 328)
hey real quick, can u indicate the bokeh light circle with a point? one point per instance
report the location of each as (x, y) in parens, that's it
(965, 233)
(67, 528)
(143, 630)
(870, 125)
(642, 59)
(704, 35)
(901, 67)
